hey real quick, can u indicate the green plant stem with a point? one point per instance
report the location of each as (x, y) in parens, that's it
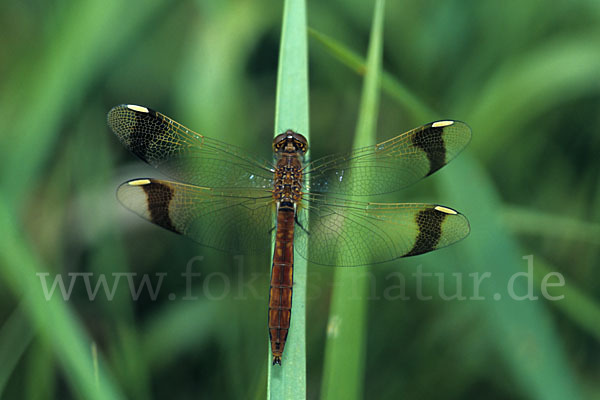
(288, 381)
(343, 374)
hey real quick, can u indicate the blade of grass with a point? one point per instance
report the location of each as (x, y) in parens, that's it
(343, 374)
(288, 381)
(51, 318)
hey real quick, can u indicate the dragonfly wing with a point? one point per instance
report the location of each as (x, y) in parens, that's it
(350, 233)
(390, 165)
(184, 154)
(226, 219)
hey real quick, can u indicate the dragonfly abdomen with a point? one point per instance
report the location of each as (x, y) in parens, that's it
(280, 295)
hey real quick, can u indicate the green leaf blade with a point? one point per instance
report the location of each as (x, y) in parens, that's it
(288, 381)
(343, 376)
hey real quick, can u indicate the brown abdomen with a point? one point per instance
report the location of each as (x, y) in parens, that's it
(280, 297)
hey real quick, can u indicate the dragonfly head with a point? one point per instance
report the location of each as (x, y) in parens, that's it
(290, 142)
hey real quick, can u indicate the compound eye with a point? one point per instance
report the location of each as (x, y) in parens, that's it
(300, 141)
(279, 141)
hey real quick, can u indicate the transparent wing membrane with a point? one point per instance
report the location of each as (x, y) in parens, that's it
(341, 232)
(390, 165)
(227, 201)
(350, 233)
(235, 220)
(184, 154)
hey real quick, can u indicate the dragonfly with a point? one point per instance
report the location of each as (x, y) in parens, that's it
(227, 199)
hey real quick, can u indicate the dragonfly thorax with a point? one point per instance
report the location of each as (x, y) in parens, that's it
(287, 188)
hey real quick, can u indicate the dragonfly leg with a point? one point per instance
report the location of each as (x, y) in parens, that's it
(300, 225)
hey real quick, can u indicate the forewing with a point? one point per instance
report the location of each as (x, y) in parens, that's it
(350, 233)
(390, 165)
(184, 154)
(234, 220)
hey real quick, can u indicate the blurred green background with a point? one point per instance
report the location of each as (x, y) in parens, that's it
(525, 75)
